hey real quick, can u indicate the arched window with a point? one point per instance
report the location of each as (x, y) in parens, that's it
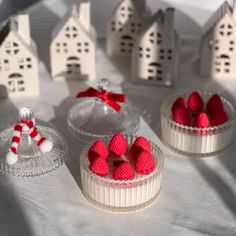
(126, 44)
(16, 83)
(73, 66)
(222, 64)
(154, 71)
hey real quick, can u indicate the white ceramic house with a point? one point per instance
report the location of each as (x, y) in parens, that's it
(218, 46)
(155, 54)
(124, 26)
(73, 46)
(18, 59)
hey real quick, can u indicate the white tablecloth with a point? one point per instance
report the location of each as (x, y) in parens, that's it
(198, 195)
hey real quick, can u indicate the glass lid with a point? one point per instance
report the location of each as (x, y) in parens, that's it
(99, 113)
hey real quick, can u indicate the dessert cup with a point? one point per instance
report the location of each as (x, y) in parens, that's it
(193, 141)
(122, 196)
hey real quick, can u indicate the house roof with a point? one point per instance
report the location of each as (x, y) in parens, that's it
(11, 26)
(224, 9)
(159, 18)
(73, 13)
(139, 8)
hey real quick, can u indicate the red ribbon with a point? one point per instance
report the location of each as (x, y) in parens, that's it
(110, 99)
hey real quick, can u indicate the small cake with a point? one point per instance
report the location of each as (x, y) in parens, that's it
(197, 123)
(124, 175)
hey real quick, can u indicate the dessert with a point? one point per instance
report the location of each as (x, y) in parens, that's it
(197, 123)
(128, 179)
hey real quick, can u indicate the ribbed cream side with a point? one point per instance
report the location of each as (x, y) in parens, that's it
(117, 195)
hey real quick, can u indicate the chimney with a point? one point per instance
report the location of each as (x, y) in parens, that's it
(234, 11)
(84, 14)
(24, 26)
(169, 21)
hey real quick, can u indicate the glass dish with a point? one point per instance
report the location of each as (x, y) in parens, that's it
(32, 162)
(90, 119)
(196, 141)
(122, 196)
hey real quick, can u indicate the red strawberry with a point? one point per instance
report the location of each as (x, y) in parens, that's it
(145, 163)
(179, 102)
(97, 149)
(214, 103)
(140, 144)
(124, 171)
(201, 121)
(99, 167)
(118, 145)
(182, 116)
(195, 102)
(219, 117)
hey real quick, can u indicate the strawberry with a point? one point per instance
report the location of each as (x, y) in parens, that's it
(97, 149)
(123, 171)
(99, 167)
(195, 102)
(118, 145)
(214, 103)
(182, 116)
(140, 144)
(219, 117)
(145, 163)
(201, 121)
(179, 102)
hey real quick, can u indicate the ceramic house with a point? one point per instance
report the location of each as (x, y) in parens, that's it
(155, 54)
(18, 59)
(124, 26)
(73, 46)
(218, 51)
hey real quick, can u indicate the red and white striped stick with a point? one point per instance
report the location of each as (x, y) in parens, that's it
(28, 126)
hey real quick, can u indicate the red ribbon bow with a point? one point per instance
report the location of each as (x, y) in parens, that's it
(110, 99)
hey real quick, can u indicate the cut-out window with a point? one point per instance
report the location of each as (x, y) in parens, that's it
(126, 12)
(214, 44)
(73, 66)
(12, 48)
(5, 65)
(25, 63)
(135, 27)
(61, 47)
(16, 83)
(116, 26)
(126, 44)
(225, 30)
(155, 38)
(71, 32)
(83, 47)
(154, 71)
(165, 54)
(223, 64)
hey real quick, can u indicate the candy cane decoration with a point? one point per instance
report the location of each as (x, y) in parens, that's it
(27, 124)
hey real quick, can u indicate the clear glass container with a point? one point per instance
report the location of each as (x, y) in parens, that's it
(122, 196)
(196, 142)
(90, 118)
(31, 161)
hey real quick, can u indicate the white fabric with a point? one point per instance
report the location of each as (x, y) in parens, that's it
(198, 195)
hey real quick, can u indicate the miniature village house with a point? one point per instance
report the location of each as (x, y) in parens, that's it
(73, 47)
(218, 52)
(18, 59)
(124, 26)
(155, 54)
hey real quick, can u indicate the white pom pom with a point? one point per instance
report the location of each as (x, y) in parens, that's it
(46, 146)
(11, 158)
